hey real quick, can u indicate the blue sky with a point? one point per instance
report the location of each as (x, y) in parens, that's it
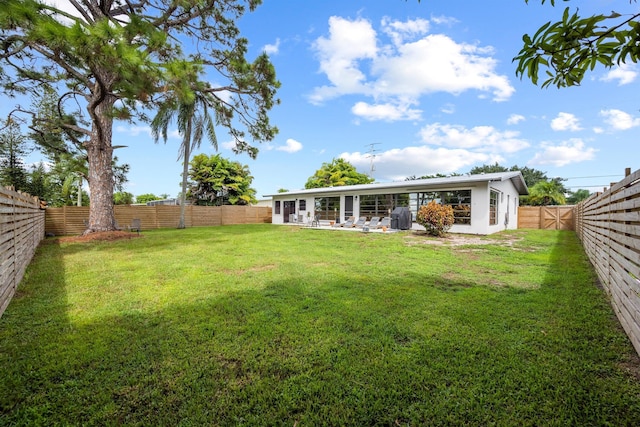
(430, 87)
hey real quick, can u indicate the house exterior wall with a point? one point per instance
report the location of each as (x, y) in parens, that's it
(507, 203)
(507, 207)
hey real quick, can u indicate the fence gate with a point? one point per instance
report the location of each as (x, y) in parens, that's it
(546, 217)
(556, 218)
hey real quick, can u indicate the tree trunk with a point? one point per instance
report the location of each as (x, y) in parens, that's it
(185, 172)
(100, 156)
(79, 200)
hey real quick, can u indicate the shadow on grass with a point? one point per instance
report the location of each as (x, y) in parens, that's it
(363, 350)
(25, 331)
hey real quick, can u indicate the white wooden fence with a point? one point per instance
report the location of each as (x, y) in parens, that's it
(608, 224)
(21, 230)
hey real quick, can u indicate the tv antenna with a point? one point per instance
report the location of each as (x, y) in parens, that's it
(371, 153)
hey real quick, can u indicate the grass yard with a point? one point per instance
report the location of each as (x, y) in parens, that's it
(273, 325)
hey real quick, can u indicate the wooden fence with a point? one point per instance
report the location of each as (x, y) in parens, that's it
(21, 230)
(69, 220)
(546, 217)
(608, 224)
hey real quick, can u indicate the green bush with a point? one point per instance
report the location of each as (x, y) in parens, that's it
(436, 218)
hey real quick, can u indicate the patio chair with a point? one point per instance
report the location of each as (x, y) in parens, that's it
(375, 220)
(360, 222)
(135, 225)
(347, 224)
(386, 222)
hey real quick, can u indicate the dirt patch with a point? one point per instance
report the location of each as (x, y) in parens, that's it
(102, 236)
(632, 366)
(418, 238)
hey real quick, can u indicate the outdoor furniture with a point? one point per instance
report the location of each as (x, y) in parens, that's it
(386, 222)
(315, 222)
(347, 223)
(375, 220)
(135, 225)
(360, 222)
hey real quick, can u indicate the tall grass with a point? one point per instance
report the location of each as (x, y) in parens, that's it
(273, 325)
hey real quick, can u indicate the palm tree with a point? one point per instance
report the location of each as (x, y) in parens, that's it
(545, 193)
(192, 114)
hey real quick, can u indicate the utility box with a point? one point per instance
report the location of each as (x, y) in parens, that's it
(401, 218)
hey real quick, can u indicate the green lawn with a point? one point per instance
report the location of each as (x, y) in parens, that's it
(273, 325)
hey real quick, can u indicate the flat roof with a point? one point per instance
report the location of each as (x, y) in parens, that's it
(515, 177)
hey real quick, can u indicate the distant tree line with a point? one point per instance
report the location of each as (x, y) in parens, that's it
(212, 180)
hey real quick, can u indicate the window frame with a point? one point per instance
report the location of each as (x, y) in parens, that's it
(460, 201)
(494, 207)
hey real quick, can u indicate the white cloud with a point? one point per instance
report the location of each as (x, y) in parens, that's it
(399, 31)
(348, 43)
(624, 74)
(571, 151)
(412, 64)
(447, 148)
(485, 139)
(448, 108)
(619, 120)
(566, 121)
(272, 49)
(134, 130)
(291, 146)
(399, 163)
(444, 20)
(514, 119)
(387, 112)
(229, 145)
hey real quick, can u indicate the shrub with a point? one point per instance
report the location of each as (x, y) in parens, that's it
(436, 218)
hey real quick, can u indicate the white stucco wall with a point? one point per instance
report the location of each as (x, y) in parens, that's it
(507, 208)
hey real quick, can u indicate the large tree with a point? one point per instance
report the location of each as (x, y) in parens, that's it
(116, 58)
(337, 173)
(575, 44)
(531, 176)
(13, 149)
(545, 193)
(218, 181)
(577, 196)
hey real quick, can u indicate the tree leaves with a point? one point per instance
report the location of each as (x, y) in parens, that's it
(218, 181)
(567, 49)
(335, 174)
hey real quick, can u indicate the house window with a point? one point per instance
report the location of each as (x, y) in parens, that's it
(381, 204)
(459, 200)
(327, 208)
(277, 207)
(303, 205)
(493, 207)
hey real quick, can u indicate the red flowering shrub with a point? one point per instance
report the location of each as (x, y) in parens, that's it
(436, 218)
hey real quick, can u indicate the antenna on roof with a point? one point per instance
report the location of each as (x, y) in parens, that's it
(372, 155)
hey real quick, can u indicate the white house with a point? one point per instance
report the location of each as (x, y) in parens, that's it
(482, 204)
